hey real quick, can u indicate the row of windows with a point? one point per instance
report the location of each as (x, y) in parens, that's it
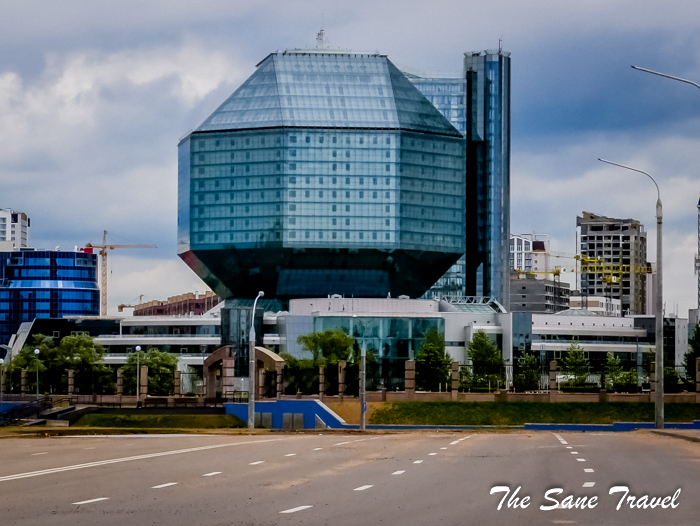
(276, 139)
(265, 155)
(314, 223)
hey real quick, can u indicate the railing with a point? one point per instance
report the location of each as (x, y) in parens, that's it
(35, 407)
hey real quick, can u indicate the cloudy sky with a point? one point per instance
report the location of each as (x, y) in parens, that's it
(94, 97)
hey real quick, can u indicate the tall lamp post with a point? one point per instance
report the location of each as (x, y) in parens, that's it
(363, 378)
(36, 361)
(251, 366)
(2, 380)
(666, 76)
(658, 284)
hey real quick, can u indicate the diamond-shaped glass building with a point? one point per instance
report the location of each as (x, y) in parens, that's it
(325, 172)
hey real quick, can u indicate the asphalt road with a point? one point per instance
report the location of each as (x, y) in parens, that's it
(407, 479)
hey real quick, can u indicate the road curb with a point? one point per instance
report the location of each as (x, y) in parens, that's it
(676, 435)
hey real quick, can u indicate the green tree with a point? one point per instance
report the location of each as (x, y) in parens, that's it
(76, 352)
(327, 347)
(161, 371)
(529, 376)
(432, 364)
(576, 364)
(613, 371)
(484, 354)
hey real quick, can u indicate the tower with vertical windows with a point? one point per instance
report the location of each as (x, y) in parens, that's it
(478, 105)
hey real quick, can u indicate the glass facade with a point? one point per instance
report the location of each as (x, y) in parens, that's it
(324, 173)
(45, 284)
(478, 105)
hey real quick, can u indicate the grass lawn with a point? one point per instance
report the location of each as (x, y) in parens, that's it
(518, 413)
(161, 421)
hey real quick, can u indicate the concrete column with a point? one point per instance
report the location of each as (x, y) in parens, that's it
(23, 384)
(341, 379)
(227, 375)
(321, 382)
(652, 377)
(455, 380)
(71, 382)
(144, 381)
(176, 389)
(410, 380)
(280, 378)
(552, 380)
(120, 381)
(261, 383)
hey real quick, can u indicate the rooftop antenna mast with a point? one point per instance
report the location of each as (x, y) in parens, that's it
(321, 39)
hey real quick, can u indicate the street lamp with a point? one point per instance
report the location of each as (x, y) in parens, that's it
(138, 376)
(251, 366)
(363, 377)
(667, 76)
(36, 355)
(2, 380)
(658, 283)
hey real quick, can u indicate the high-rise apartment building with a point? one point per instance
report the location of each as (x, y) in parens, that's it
(14, 229)
(530, 253)
(326, 172)
(478, 104)
(614, 242)
(45, 284)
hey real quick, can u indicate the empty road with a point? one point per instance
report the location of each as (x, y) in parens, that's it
(408, 479)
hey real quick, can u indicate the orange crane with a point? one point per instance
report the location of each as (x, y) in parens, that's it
(104, 247)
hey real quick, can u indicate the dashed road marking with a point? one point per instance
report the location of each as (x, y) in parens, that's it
(290, 455)
(443, 448)
(560, 439)
(128, 459)
(363, 488)
(90, 501)
(588, 484)
(400, 472)
(212, 474)
(164, 485)
(317, 448)
(256, 462)
(455, 442)
(574, 452)
(417, 461)
(432, 454)
(43, 453)
(569, 447)
(588, 470)
(581, 459)
(298, 508)
(341, 443)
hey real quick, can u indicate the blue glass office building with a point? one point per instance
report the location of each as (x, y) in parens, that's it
(324, 173)
(45, 284)
(478, 105)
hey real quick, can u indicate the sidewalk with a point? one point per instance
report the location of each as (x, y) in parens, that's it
(692, 435)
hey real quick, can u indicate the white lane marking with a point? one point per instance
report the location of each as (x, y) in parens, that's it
(417, 461)
(129, 459)
(588, 470)
(35, 454)
(341, 443)
(317, 448)
(256, 463)
(90, 501)
(431, 454)
(569, 447)
(363, 488)
(360, 439)
(574, 452)
(455, 442)
(298, 508)
(560, 439)
(588, 484)
(443, 448)
(400, 472)
(375, 438)
(581, 459)
(164, 485)
(212, 474)
(290, 455)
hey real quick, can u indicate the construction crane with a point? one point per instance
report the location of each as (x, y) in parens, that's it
(104, 247)
(123, 306)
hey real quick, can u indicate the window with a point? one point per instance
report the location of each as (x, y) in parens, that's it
(335, 194)
(386, 194)
(247, 168)
(374, 235)
(347, 208)
(308, 139)
(388, 140)
(307, 235)
(387, 154)
(374, 195)
(347, 235)
(362, 194)
(292, 180)
(247, 182)
(320, 194)
(347, 195)
(347, 154)
(374, 180)
(334, 221)
(347, 222)
(292, 138)
(335, 153)
(387, 168)
(308, 180)
(334, 208)
(201, 185)
(387, 222)
(362, 180)
(334, 140)
(320, 180)
(347, 180)
(335, 166)
(292, 166)
(292, 153)
(386, 181)
(386, 236)
(347, 167)
(307, 194)
(292, 193)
